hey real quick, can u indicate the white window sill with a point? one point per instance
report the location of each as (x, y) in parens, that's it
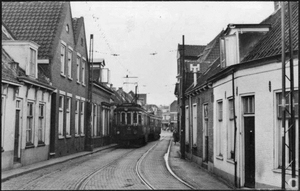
(77, 135)
(78, 82)
(82, 135)
(219, 157)
(230, 161)
(63, 75)
(83, 84)
(61, 137)
(68, 136)
(70, 78)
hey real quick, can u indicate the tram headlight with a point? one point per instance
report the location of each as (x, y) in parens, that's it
(118, 132)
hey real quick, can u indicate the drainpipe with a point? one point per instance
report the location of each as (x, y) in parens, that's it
(235, 129)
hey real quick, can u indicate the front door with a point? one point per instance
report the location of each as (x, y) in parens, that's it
(17, 132)
(249, 129)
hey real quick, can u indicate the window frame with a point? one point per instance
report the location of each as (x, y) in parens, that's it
(76, 129)
(32, 63)
(63, 48)
(42, 122)
(69, 62)
(68, 115)
(61, 107)
(30, 120)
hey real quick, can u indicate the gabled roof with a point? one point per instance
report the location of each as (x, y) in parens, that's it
(8, 73)
(212, 50)
(77, 23)
(191, 50)
(211, 54)
(270, 44)
(35, 21)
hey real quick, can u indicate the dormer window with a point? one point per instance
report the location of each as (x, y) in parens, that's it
(32, 64)
(238, 41)
(25, 53)
(67, 28)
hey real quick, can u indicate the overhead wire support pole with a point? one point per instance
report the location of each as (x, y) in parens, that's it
(182, 140)
(283, 96)
(89, 141)
(292, 119)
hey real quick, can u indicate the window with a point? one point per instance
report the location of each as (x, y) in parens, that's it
(61, 115)
(62, 59)
(220, 110)
(76, 117)
(41, 127)
(2, 121)
(231, 50)
(105, 120)
(287, 100)
(94, 119)
(278, 149)
(135, 117)
(248, 105)
(98, 133)
(187, 134)
(219, 128)
(30, 125)
(81, 41)
(32, 67)
(222, 53)
(230, 131)
(230, 103)
(78, 69)
(70, 64)
(67, 28)
(82, 118)
(128, 118)
(83, 72)
(68, 115)
(123, 116)
(140, 118)
(195, 124)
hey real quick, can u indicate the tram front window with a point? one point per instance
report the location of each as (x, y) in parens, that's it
(140, 118)
(134, 117)
(123, 118)
(129, 118)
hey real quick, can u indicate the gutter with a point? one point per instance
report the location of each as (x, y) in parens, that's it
(235, 129)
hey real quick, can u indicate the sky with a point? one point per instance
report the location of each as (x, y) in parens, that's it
(139, 39)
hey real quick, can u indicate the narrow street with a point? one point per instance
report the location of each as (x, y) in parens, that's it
(114, 168)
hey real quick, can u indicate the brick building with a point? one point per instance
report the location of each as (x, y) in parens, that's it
(63, 58)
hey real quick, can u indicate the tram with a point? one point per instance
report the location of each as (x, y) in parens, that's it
(134, 125)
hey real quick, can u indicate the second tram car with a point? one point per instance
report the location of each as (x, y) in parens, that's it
(134, 125)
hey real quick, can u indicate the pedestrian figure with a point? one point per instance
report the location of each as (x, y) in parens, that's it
(175, 136)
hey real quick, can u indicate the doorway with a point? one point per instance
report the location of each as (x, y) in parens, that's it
(17, 157)
(249, 129)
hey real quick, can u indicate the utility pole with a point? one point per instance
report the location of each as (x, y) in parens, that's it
(182, 140)
(89, 140)
(283, 96)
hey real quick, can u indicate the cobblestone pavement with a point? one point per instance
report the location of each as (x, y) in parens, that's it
(115, 168)
(64, 176)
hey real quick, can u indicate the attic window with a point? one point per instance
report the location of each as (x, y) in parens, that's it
(67, 28)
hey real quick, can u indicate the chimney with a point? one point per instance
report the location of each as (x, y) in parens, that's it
(276, 5)
(15, 67)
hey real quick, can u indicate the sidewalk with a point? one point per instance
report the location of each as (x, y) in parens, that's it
(193, 174)
(5, 175)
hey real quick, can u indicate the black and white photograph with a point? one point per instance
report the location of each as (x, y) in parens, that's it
(150, 95)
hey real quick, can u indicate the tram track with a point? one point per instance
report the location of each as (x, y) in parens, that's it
(81, 184)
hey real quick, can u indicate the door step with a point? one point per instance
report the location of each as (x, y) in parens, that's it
(205, 165)
(17, 165)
